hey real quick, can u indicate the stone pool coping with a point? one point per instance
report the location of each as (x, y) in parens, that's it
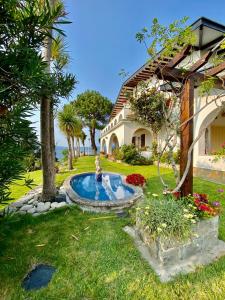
(87, 204)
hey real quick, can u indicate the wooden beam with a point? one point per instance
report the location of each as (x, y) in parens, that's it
(186, 136)
(176, 75)
(179, 57)
(216, 70)
(201, 62)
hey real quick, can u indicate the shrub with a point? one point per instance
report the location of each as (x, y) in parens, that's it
(154, 149)
(165, 157)
(136, 179)
(118, 154)
(166, 217)
(130, 153)
(142, 161)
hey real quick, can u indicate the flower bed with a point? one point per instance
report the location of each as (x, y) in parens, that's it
(180, 234)
(136, 179)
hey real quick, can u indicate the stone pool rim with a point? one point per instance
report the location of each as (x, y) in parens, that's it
(85, 202)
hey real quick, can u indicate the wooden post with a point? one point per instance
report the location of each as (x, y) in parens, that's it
(186, 136)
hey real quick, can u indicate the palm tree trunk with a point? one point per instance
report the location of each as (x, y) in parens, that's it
(70, 158)
(83, 147)
(48, 170)
(47, 133)
(78, 147)
(92, 135)
(73, 147)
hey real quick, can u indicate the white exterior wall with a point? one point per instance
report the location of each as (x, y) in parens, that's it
(201, 121)
(124, 129)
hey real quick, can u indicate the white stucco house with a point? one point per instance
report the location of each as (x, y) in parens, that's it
(123, 129)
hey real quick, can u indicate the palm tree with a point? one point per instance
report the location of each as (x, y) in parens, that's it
(69, 124)
(83, 138)
(47, 114)
(76, 136)
(47, 130)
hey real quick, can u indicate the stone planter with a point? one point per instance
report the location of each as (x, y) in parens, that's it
(169, 257)
(172, 251)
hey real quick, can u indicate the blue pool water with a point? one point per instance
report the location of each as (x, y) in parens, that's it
(110, 188)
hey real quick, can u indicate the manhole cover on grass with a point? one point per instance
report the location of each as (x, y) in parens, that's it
(122, 214)
(39, 277)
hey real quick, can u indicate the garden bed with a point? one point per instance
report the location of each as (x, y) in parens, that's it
(170, 257)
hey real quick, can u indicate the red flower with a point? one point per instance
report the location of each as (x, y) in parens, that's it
(136, 179)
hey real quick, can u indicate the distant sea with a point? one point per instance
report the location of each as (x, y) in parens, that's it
(59, 149)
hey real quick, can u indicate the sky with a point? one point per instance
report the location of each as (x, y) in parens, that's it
(101, 39)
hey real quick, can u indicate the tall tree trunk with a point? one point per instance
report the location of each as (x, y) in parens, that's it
(73, 147)
(92, 136)
(48, 169)
(47, 133)
(78, 147)
(83, 147)
(70, 158)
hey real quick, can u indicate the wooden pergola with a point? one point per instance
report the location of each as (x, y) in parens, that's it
(166, 68)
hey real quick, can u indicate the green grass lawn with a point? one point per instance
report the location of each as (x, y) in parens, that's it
(94, 258)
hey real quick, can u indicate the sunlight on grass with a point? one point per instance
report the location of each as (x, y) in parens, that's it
(94, 257)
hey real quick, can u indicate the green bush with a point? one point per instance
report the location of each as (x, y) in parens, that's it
(165, 157)
(142, 161)
(166, 217)
(130, 153)
(118, 154)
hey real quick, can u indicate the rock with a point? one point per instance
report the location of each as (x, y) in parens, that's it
(61, 204)
(31, 201)
(43, 206)
(10, 209)
(32, 210)
(54, 205)
(26, 198)
(58, 204)
(26, 207)
(35, 202)
(22, 212)
(60, 198)
(18, 204)
(36, 214)
(37, 196)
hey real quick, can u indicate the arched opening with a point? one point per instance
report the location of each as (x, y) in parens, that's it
(113, 143)
(120, 117)
(115, 122)
(103, 146)
(213, 133)
(142, 139)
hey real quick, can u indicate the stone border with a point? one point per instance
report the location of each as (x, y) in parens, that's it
(101, 206)
(31, 203)
(189, 264)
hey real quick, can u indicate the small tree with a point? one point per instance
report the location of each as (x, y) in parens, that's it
(69, 124)
(148, 105)
(94, 110)
(83, 137)
(23, 31)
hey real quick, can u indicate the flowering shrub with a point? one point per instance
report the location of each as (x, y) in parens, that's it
(166, 217)
(136, 179)
(204, 207)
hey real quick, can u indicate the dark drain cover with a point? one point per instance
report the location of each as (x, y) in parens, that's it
(122, 214)
(39, 277)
